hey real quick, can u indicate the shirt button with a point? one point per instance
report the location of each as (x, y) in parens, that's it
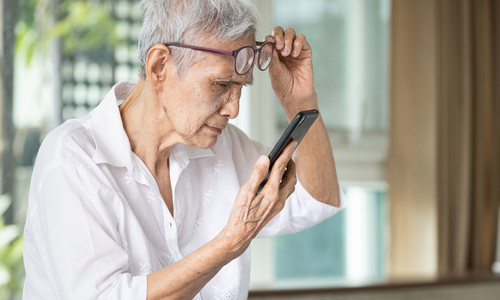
(177, 222)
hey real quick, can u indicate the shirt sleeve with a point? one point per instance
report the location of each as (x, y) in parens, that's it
(72, 246)
(301, 211)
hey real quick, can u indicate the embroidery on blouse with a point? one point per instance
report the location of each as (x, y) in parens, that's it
(218, 167)
(207, 197)
(129, 179)
(185, 181)
(223, 292)
(197, 225)
(145, 268)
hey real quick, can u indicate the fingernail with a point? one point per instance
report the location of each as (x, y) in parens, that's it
(263, 160)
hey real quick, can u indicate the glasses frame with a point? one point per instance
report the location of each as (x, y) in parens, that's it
(232, 53)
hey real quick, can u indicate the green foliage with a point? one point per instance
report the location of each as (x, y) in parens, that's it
(11, 255)
(81, 27)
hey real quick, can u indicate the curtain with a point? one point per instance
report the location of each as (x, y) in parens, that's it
(412, 157)
(444, 151)
(469, 134)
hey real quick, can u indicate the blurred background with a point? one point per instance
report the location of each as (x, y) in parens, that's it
(408, 90)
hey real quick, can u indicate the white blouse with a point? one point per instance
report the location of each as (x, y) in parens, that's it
(97, 224)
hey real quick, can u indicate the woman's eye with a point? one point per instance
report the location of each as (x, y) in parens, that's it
(222, 85)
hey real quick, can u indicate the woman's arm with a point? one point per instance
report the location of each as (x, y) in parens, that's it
(250, 213)
(292, 79)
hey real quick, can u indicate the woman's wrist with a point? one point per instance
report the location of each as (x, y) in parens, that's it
(231, 244)
(291, 108)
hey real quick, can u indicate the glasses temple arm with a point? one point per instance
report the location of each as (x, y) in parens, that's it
(227, 52)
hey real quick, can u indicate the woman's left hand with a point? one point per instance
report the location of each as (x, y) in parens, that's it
(291, 68)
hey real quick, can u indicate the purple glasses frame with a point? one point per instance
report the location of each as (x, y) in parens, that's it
(233, 53)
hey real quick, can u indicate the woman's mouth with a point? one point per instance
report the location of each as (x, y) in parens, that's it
(215, 129)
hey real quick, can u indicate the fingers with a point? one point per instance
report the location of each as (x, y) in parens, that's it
(288, 42)
(277, 175)
(280, 166)
(289, 179)
(259, 173)
(282, 180)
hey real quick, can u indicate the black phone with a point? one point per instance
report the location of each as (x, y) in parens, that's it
(295, 131)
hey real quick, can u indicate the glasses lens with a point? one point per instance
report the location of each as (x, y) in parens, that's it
(244, 60)
(265, 56)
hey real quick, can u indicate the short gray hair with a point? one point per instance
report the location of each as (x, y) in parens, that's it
(186, 21)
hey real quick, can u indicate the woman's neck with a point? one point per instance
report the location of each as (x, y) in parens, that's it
(142, 114)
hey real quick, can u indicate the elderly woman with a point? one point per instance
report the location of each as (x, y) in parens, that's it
(153, 194)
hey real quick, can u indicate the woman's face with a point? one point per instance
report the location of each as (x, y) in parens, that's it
(200, 104)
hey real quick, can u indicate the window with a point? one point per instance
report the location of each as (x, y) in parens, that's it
(350, 41)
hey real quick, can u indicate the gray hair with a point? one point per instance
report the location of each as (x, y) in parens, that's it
(186, 21)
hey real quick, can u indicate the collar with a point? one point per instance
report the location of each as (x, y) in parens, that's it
(112, 143)
(183, 154)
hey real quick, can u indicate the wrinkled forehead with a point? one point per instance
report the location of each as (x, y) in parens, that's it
(220, 62)
(209, 39)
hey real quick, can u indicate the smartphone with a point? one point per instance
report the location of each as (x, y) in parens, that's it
(294, 132)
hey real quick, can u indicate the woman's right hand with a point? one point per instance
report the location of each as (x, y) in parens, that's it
(252, 211)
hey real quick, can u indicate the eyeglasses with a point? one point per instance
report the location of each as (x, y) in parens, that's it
(243, 57)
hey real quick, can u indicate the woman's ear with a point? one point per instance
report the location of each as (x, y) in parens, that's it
(158, 63)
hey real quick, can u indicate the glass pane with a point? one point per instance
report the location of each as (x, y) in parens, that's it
(350, 41)
(317, 252)
(351, 245)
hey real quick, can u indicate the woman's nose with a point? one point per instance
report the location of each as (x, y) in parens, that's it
(231, 107)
